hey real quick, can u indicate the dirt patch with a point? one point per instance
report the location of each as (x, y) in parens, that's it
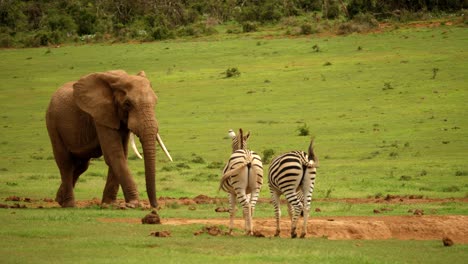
(203, 199)
(349, 227)
(417, 226)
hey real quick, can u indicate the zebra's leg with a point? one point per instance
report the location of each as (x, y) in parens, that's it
(296, 208)
(242, 199)
(308, 189)
(232, 211)
(258, 185)
(275, 198)
(306, 209)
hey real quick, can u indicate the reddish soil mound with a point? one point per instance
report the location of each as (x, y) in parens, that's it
(344, 228)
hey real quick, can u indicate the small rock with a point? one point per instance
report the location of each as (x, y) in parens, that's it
(221, 210)
(13, 198)
(151, 218)
(418, 212)
(447, 242)
(161, 233)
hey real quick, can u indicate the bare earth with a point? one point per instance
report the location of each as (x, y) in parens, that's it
(410, 227)
(349, 227)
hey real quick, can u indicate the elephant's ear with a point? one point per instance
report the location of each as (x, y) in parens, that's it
(94, 94)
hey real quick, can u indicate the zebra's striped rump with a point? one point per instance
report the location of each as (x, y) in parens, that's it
(244, 170)
(293, 174)
(242, 179)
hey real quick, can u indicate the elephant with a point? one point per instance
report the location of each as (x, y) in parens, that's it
(96, 116)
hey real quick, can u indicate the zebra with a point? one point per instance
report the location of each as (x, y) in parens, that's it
(242, 179)
(293, 174)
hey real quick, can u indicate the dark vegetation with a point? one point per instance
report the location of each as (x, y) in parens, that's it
(30, 23)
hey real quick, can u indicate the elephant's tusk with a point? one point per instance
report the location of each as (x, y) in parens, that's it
(134, 147)
(161, 143)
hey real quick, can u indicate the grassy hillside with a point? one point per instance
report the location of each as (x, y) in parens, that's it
(387, 110)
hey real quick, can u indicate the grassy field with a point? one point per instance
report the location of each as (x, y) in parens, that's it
(387, 112)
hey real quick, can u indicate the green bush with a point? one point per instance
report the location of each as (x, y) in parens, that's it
(360, 23)
(6, 41)
(306, 29)
(267, 155)
(161, 33)
(232, 72)
(303, 130)
(249, 27)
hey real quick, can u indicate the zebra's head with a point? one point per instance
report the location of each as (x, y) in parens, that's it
(239, 141)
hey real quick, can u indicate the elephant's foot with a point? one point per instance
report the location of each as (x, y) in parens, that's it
(65, 203)
(64, 200)
(108, 201)
(132, 204)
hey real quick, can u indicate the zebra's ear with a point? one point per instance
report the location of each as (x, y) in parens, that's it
(311, 153)
(247, 136)
(231, 133)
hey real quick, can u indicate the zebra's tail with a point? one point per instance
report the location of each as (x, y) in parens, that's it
(311, 153)
(228, 174)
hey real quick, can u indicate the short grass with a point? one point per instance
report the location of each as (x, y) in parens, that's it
(76, 236)
(387, 112)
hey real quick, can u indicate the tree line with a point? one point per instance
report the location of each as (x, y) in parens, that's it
(29, 23)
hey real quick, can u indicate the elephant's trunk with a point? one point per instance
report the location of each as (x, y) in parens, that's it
(149, 152)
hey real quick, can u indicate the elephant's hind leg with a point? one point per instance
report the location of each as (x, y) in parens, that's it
(70, 171)
(79, 166)
(109, 196)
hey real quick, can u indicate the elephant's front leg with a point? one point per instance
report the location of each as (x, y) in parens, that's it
(109, 196)
(115, 157)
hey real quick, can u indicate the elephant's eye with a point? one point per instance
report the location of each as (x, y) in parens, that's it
(127, 105)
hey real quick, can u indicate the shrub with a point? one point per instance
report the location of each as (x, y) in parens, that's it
(232, 72)
(6, 41)
(267, 154)
(303, 130)
(161, 33)
(360, 23)
(306, 29)
(249, 27)
(331, 9)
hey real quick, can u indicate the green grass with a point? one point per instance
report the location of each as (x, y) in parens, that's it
(71, 236)
(376, 113)
(382, 125)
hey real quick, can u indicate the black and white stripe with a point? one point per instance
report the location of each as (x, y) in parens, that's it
(293, 174)
(242, 180)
